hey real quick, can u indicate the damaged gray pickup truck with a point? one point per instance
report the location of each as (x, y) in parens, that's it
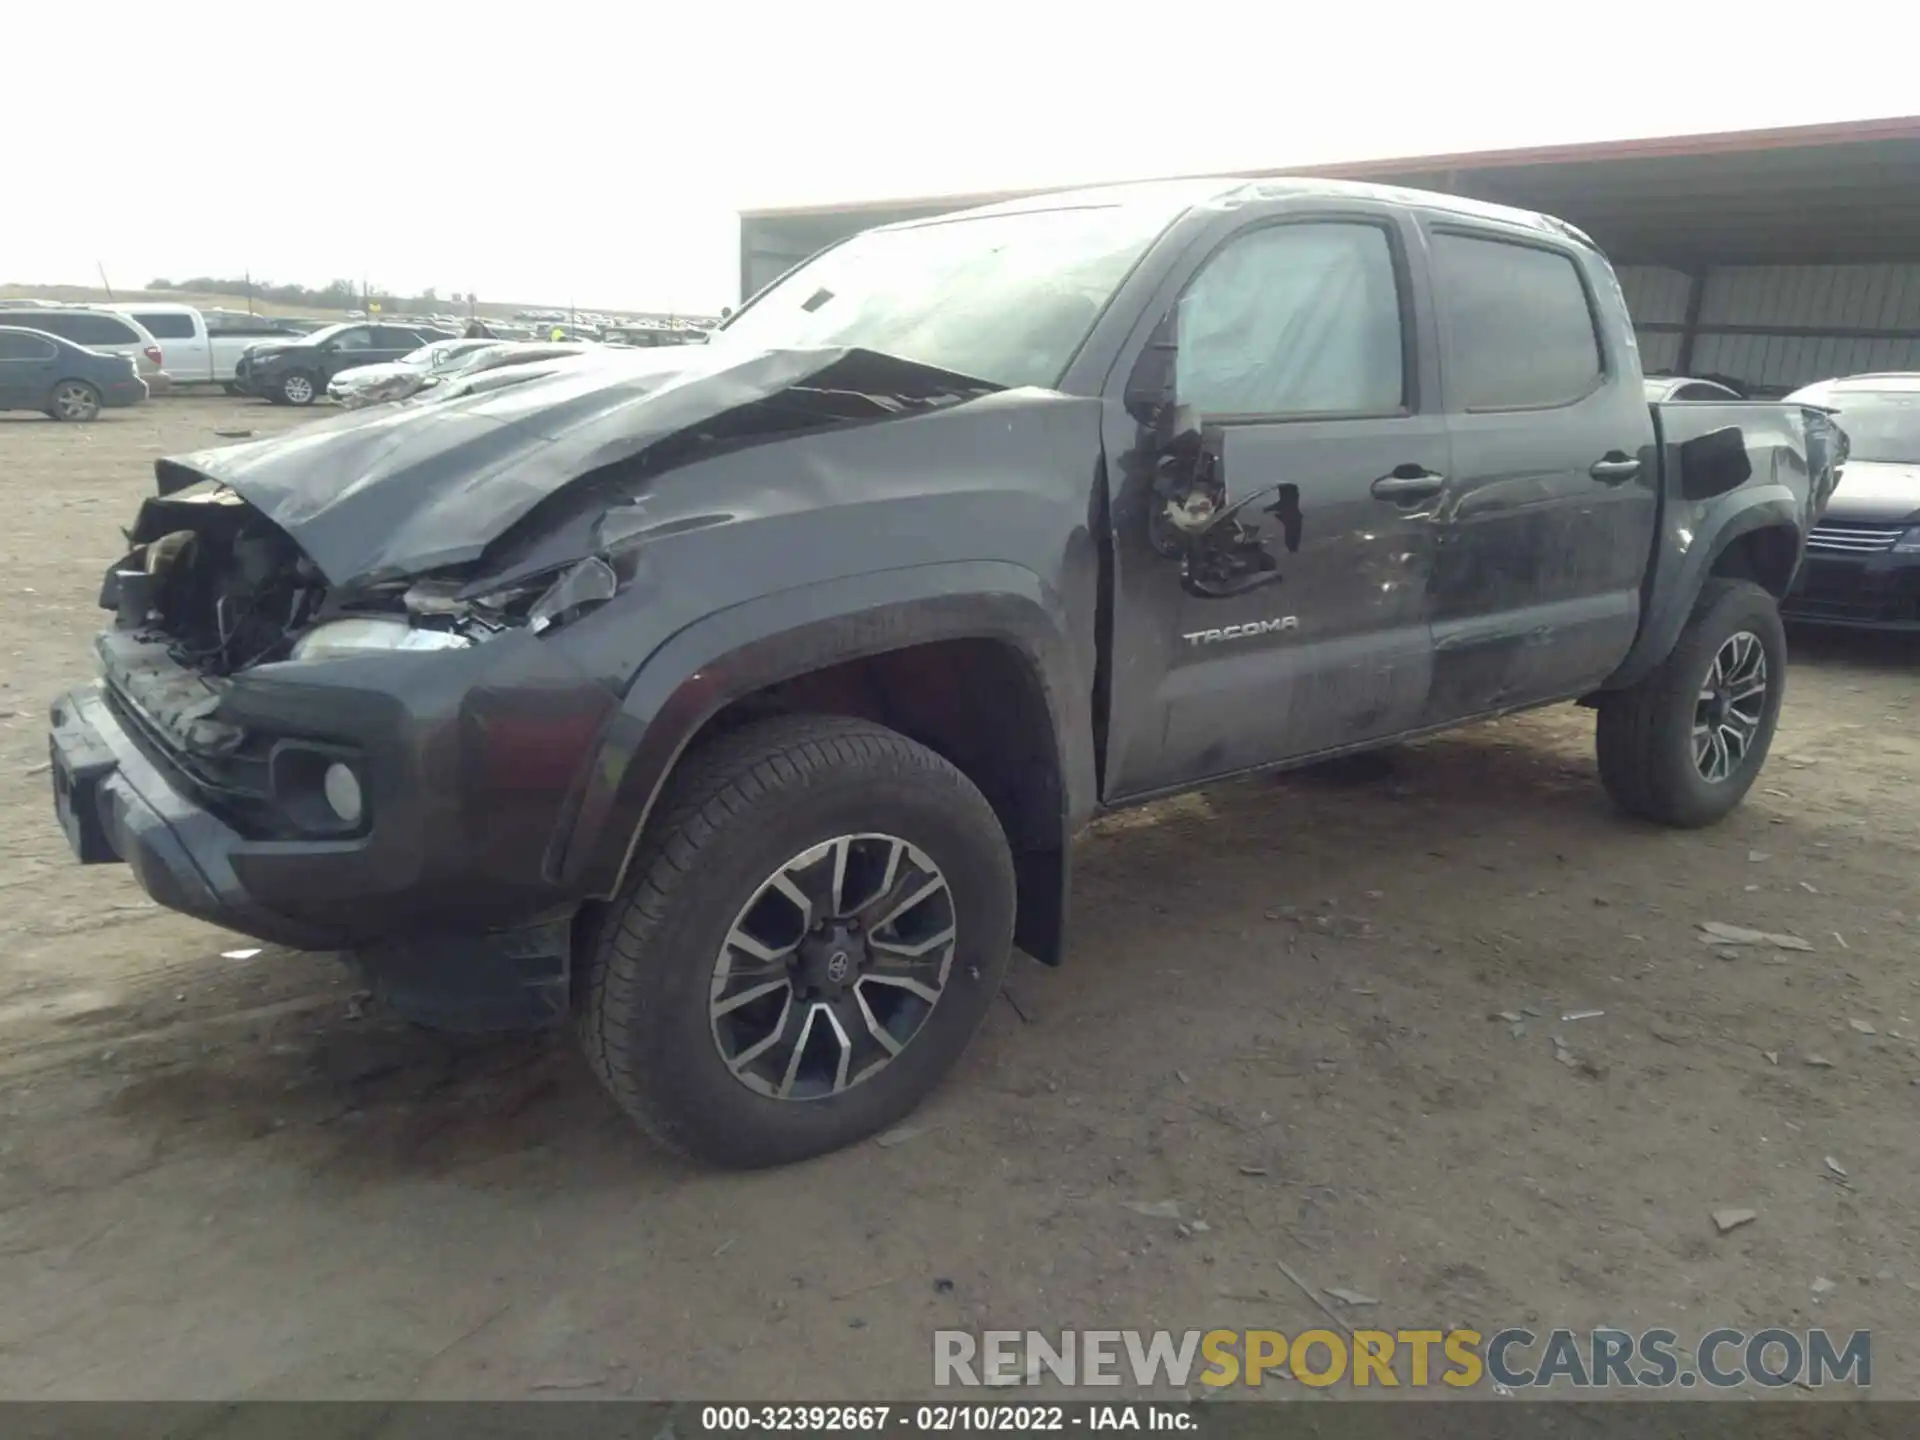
(743, 700)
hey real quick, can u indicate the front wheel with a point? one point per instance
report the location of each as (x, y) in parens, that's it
(298, 388)
(1685, 744)
(816, 925)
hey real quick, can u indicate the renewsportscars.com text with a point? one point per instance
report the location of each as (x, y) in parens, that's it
(1509, 1359)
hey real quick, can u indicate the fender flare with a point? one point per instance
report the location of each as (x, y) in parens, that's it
(734, 652)
(1676, 584)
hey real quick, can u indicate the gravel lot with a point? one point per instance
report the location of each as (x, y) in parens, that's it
(218, 1178)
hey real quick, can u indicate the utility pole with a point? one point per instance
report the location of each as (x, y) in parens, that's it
(103, 279)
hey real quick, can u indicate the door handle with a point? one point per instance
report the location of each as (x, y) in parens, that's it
(1406, 484)
(1612, 468)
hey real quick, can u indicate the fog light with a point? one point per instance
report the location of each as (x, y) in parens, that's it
(342, 789)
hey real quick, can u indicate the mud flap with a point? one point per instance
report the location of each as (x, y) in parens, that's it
(475, 983)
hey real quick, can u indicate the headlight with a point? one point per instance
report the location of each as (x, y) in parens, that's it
(1909, 543)
(358, 636)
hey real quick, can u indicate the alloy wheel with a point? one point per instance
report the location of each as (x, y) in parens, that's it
(298, 389)
(832, 967)
(75, 402)
(1731, 705)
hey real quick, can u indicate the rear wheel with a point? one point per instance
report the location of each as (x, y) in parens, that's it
(816, 926)
(1685, 744)
(74, 401)
(299, 388)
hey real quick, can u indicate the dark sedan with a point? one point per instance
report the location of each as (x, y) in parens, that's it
(1863, 558)
(60, 379)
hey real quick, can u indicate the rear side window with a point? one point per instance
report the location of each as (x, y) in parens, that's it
(1290, 321)
(86, 328)
(25, 347)
(1519, 330)
(166, 325)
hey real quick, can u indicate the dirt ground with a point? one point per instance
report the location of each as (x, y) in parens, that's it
(220, 1179)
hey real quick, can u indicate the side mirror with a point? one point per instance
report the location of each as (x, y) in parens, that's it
(1151, 389)
(1714, 463)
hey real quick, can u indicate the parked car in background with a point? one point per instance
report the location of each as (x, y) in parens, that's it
(40, 371)
(506, 365)
(397, 379)
(1863, 558)
(296, 371)
(1662, 388)
(100, 330)
(194, 352)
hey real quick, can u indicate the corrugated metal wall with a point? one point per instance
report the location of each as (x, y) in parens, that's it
(1777, 327)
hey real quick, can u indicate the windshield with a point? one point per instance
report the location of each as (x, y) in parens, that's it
(323, 334)
(1006, 298)
(1881, 425)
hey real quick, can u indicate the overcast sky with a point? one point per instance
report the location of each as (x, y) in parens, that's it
(599, 152)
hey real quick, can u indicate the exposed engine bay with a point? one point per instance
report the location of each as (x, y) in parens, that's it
(224, 589)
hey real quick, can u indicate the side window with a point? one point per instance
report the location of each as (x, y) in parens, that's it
(167, 325)
(387, 337)
(358, 338)
(1295, 320)
(54, 324)
(89, 329)
(1519, 330)
(25, 347)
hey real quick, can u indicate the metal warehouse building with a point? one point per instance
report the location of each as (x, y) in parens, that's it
(1767, 257)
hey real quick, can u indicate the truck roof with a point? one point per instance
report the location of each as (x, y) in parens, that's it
(1178, 196)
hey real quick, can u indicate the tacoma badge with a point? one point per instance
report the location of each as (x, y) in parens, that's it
(1242, 632)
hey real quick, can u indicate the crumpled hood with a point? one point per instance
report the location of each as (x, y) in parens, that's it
(373, 495)
(373, 374)
(1876, 490)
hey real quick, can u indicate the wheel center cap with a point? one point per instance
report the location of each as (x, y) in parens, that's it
(831, 960)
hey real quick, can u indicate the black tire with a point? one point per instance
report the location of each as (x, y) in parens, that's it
(736, 812)
(74, 402)
(1645, 734)
(229, 388)
(297, 387)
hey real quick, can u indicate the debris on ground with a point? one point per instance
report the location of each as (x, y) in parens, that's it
(1154, 1209)
(1351, 1297)
(1582, 1015)
(1861, 1027)
(1818, 1062)
(1822, 1285)
(1756, 856)
(1725, 1220)
(246, 954)
(901, 1134)
(1719, 933)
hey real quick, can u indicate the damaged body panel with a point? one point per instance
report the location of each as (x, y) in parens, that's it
(1070, 503)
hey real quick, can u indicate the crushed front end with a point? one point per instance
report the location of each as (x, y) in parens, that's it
(383, 769)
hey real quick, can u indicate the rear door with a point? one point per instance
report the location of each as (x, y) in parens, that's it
(1546, 528)
(184, 351)
(27, 365)
(1298, 353)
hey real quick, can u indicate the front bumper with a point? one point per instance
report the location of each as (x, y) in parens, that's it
(447, 898)
(115, 804)
(1879, 591)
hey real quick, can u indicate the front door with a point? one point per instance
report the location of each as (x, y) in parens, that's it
(1284, 612)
